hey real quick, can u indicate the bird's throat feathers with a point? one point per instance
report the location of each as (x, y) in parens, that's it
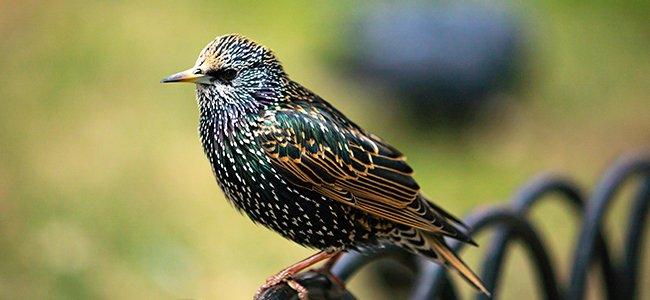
(234, 109)
(224, 114)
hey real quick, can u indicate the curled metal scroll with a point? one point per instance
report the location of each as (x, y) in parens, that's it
(511, 224)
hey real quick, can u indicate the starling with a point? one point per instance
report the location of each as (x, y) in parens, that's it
(292, 162)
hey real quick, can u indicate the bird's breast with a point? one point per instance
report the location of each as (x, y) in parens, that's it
(253, 185)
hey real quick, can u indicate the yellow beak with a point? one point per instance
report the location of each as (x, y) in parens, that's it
(189, 75)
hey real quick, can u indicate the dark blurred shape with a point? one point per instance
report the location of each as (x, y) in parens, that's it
(394, 275)
(442, 61)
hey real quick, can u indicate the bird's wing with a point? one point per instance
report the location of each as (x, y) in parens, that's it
(313, 148)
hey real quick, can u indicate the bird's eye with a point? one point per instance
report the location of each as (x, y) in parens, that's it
(225, 75)
(228, 74)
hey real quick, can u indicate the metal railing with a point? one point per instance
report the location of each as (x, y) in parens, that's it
(511, 224)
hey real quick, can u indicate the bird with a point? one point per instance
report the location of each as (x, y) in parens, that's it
(292, 162)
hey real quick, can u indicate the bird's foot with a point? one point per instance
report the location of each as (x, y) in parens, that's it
(302, 291)
(286, 274)
(280, 278)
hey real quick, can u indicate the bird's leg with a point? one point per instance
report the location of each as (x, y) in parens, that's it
(326, 269)
(286, 274)
(330, 262)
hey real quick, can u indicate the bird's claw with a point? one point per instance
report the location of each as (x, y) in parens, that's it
(302, 291)
(280, 278)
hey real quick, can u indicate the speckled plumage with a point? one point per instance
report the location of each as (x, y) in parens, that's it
(292, 162)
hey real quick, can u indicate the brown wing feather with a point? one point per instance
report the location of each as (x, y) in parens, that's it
(348, 166)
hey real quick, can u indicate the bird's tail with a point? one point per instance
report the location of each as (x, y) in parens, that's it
(447, 256)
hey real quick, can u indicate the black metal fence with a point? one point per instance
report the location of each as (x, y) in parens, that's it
(510, 223)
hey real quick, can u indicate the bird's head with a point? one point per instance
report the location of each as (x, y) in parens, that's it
(233, 66)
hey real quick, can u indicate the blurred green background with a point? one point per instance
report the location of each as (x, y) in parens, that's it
(105, 193)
